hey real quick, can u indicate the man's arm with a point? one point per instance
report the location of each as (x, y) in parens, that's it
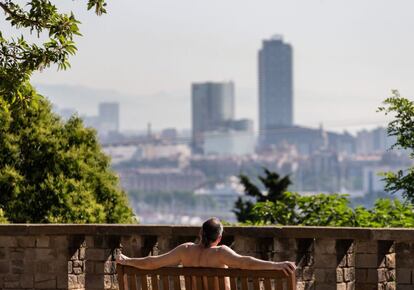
(234, 260)
(172, 258)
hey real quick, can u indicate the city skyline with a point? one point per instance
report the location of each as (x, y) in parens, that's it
(347, 66)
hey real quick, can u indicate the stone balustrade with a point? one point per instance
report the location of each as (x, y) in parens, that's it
(82, 256)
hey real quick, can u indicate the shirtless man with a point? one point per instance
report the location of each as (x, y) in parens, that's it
(207, 253)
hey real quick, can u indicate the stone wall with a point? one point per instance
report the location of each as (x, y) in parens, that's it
(79, 257)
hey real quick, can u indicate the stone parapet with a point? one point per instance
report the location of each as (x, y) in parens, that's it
(79, 257)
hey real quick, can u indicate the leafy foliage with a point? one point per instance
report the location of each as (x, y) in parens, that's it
(52, 171)
(19, 58)
(274, 185)
(289, 208)
(402, 127)
(331, 210)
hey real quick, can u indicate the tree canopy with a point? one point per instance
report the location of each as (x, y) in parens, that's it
(19, 58)
(402, 127)
(55, 171)
(274, 186)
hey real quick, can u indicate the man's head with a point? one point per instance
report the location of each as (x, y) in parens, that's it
(211, 232)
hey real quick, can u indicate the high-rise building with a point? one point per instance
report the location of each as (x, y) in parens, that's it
(212, 107)
(108, 116)
(275, 89)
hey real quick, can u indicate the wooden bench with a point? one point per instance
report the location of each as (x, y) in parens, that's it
(180, 278)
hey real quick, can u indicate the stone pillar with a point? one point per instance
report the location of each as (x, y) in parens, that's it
(305, 276)
(76, 263)
(245, 245)
(386, 265)
(404, 252)
(100, 262)
(366, 265)
(375, 265)
(345, 271)
(334, 264)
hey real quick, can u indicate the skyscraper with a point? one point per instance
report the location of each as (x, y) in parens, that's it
(212, 107)
(275, 89)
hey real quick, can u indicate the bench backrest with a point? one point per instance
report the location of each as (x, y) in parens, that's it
(180, 278)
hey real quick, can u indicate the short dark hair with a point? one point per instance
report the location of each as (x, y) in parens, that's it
(210, 231)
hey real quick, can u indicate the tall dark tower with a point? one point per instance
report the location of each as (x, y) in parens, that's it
(275, 89)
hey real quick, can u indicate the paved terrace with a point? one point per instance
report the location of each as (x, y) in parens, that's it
(82, 256)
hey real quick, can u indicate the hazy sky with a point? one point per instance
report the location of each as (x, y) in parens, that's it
(348, 55)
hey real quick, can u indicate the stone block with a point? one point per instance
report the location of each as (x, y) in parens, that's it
(16, 253)
(325, 275)
(8, 241)
(12, 281)
(350, 285)
(341, 286)
(366, 261)
(107, 281)
(361, 275)
(325, 246)
(324, 286)
(350, 260)
(96, 254)
(42, 241)
(390, 261)
(390, 286)
(73, 281)
(404, 276)
(82, 253)
(4, 267)
(372, 276)
(26, 241)
(46, 281)
(349, 274)
(70, 267)
(27, 281)
(43, 267)
(62, 281)
(308, 273)
(58, 242)
(29, 254)
(366, 247)
(45, 254)
(339, 275)
(325, 261)
(94, 281)
(3, 253)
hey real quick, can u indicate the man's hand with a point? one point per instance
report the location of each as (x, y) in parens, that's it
(122, 259)
(287, 267)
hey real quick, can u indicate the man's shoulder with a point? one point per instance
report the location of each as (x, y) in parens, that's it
(187, 245)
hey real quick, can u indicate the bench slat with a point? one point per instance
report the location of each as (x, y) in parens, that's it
(210, 282)
(233, 283)
(177, 285)
(188, 283)
(199, 283)
(165, 283)
(188, 271)
(133, 282)
(279, 285)
(144, 282)
(154, 282)
(256, 284)
(121, 276)
(244, 283)
(201, 278)
(222, 283)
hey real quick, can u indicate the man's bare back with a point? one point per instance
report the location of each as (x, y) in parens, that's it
(207, 253)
